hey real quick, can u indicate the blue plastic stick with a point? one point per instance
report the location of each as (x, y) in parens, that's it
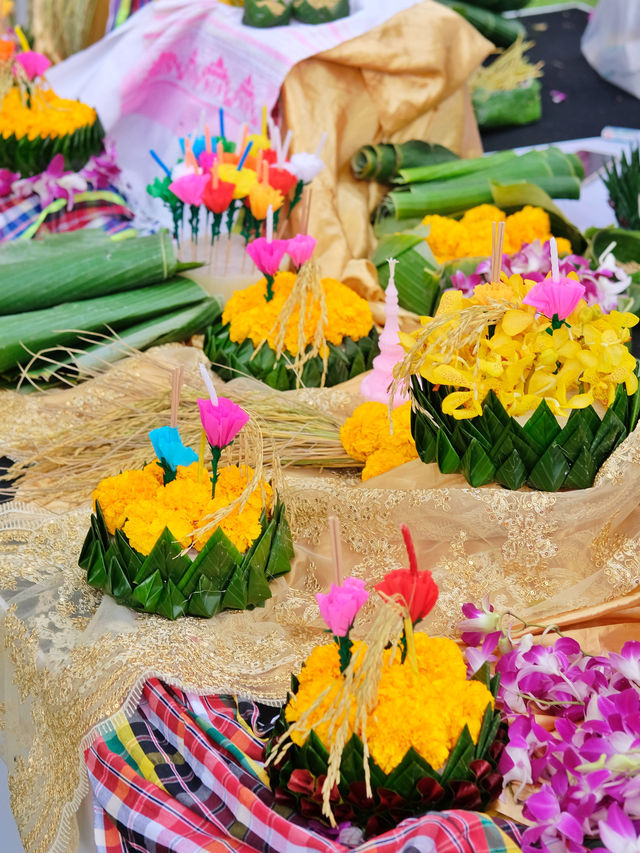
(221, 114)
(245, 155)
(159, 162)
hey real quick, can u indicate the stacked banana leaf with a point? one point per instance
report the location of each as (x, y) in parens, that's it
(69, 296)
(457, 185)
(171, 584)
(419, 277)
(495, 448)
(486, 17)
(30, 156)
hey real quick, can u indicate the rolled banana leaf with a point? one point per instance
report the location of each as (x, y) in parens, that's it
(172, 584)
(414, 786)
(266, 13)
(501, 31)
(499, 6)
(522, 105)
(320, 11)
(231, 360)
(383, 162)
(495, 448)
(624, 244)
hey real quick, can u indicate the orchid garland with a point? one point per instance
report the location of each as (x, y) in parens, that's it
(586, 769)
(604, 284)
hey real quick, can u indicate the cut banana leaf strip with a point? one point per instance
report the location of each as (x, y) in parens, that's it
(494, 447)
(231, 360)
(171, 584)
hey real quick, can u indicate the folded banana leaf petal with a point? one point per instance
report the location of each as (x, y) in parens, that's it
(495, 448)
(231, 360)
(469, 779)
(171, 584)
(30, 157)
(266, 13)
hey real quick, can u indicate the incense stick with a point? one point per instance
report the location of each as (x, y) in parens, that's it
(336, 547)
(177, 376)
(497, 241)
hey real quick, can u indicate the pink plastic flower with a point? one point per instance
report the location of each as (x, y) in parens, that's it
(189, 188)
(221, 422)
(34, 64)
(266, 254)
(340, 606)
(555, 298)
(300, 248)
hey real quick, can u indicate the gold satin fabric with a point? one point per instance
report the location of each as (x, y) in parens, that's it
(369, 91)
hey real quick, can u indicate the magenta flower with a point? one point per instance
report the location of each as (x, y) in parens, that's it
(6, 180)
(34, 64)
(221, 422)
(300, 248)
(102, 170)
(267, 255)
(206, 159)
(618, 833)
(340, 606)
(555, 298)
(189, 188)
(627, 663)
(476, 658)
(478, 622)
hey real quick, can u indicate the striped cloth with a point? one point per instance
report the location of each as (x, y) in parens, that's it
(25, 217)
(184, 773)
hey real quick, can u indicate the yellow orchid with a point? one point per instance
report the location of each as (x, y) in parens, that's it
(521, 357)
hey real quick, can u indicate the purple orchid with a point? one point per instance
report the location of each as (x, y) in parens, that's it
(52, 184)
(476, 658)
(7, 179)
(102, 170)
(478, 622)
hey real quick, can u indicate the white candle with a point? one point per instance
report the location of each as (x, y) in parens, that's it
(269, 224)
(208, 381)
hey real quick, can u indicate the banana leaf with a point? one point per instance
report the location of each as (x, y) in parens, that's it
(627, 243)
(622, 180)
(172, 584)
(499, 6)
(57, 326)
(320, 11)
(30, 157)
(501, 31)
(266, 13)
(495, 448)
(231, 360)
(38, 274)
(450, 197)
(506, 108)
(413, 786)
(417, 273)
(383, 162)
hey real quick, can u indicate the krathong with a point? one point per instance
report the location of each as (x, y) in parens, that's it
(175, 540)
(370, 739)
(505, 393)
(292, 328)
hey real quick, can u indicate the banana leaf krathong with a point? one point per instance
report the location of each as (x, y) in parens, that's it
(469, 780)
(495, 448)
(171, 584)
(32, 156)
(231, 360)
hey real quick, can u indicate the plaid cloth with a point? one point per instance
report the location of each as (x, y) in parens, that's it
(184, 773)
(24, 217)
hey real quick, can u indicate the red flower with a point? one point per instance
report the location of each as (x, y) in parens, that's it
(416, 589)
(281, 179)
(217, 199)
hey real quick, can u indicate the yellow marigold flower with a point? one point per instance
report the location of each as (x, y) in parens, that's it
(148, 518)
(362, 433)
(426, 710)
(251, 317)
(483, 213)
(115, 494)
(367, 437)
(47, 116)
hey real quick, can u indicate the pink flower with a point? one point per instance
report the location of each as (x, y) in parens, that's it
(206, 159)
(34, 64)
(340, 606)
(300, 248)
(476, 658)
(221, 422)
(6, 179)
(478, 622)
(627, 663)
(555, 298)
(266, 254)
(617, 832)
(189, 188)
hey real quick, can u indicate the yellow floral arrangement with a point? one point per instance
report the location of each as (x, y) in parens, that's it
(522, 383)
(426, 710)
(471, 236)
(251, 317)
(45, 115)
(524, 360)
(139, 504)
(366, 436)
